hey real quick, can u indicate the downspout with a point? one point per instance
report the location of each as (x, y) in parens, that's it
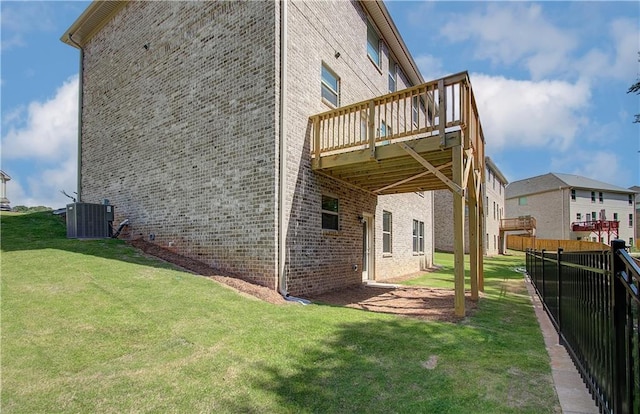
(282, 240)
(80, 104)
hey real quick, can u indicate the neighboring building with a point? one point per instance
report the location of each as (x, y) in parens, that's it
(493, 191)
(196, 126)
(571, 207)
(636, 189)
(4, 201)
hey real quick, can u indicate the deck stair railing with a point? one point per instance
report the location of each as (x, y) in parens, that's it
(431, 109)
(593, 300)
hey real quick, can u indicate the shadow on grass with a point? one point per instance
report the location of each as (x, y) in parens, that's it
(390, 365)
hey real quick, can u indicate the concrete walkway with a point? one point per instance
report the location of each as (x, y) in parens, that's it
(572, 392)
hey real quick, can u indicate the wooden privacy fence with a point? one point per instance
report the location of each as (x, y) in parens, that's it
(522, 243)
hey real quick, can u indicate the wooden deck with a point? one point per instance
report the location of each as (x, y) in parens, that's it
(427, 137)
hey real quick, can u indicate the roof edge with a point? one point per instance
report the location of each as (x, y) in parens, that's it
(383, 20)
(496, 170)
(94, 18)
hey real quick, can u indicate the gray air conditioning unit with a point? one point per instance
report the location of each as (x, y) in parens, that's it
(89, 221)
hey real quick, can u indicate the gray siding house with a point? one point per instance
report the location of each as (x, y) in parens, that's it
(493, 190)
(571, 207)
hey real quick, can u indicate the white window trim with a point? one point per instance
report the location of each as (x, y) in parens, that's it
(329, 87)
(387, 232)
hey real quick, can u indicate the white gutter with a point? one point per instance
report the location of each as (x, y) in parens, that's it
(80, 104)
(282, 242)
(282, 190)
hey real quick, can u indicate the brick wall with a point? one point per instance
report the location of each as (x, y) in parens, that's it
(179, 125)
(402, 260)
(320, 260)
(181, 133)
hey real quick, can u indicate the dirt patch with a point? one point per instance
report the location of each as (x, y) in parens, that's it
(421, 303)
(194, 266)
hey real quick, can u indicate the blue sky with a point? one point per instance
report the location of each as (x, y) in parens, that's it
(550, 80)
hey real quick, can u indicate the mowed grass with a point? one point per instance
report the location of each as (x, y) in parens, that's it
(94, 326)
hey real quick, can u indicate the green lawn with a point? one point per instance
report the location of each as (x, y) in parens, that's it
(94, 326)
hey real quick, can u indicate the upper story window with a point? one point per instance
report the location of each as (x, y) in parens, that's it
(330, 217)
(615, 216)
(373, 44)
(384, 129)
(522, 201)
(573, 195)
(630, 220)
(393, 75)
(600, 197)
(630, 199)
(330, 86)
(593, 196)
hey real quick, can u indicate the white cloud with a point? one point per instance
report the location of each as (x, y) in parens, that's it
(51, 127)
(620, 60)
(430, 66)
(599, 165)
(39, 150)
(513, 33)
(519, 113)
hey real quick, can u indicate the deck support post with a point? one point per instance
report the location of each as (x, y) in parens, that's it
(458, 232)
(474, 233)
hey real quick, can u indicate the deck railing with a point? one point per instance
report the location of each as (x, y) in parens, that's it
(518, 223)
(593, 300)
(430, 109)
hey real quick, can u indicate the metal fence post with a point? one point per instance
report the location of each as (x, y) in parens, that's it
(619, 376)
(560, 340)
(544, 296)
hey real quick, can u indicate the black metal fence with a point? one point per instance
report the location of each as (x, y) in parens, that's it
(593, 299)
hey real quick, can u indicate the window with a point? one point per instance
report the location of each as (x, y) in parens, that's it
(593, 216)
(364, 125)
(393, 75)
(418, 236)
(522, 201)
(578, 216)
(630, 220)
(573, 195)
(330, 86)
(593, 196)
(615, 216)
(494, 210)
(373, 44)
(386, 232)
(495, 244)
(487, 209)
(330, 218)
(384, 129)
(600, 197)
(630, 199)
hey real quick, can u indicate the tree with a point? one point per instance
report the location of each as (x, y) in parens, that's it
(635, 88)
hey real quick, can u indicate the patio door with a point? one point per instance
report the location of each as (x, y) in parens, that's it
(367, 247)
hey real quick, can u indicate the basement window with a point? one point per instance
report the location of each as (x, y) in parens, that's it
(330, 216)
(386, 232)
